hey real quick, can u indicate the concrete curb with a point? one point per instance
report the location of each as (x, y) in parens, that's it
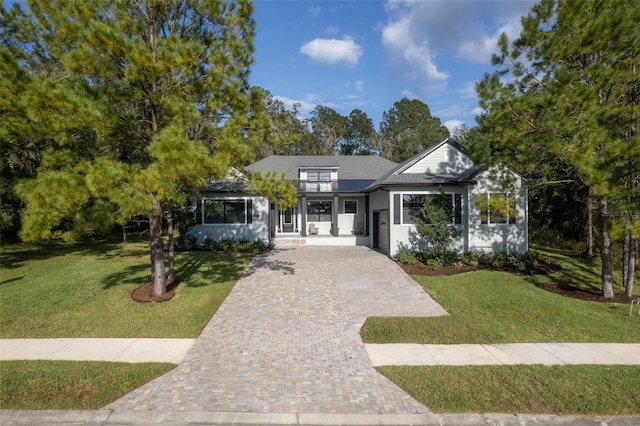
(175, 418)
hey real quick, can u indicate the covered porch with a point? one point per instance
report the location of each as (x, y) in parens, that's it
(322, 216)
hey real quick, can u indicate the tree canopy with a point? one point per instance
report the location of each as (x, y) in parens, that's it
(408, 128)
(565, 101)
(130, 103)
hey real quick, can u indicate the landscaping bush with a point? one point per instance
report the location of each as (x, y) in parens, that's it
(407, 257)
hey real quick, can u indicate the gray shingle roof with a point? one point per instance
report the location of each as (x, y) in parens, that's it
(354, 167)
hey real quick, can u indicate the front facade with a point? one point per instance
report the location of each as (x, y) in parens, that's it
(368, 200)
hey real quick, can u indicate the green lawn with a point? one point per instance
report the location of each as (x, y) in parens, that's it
(66, 385)
(498, 307)
(572, 389)
(83, 290)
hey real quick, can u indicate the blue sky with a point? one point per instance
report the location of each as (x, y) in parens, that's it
(370, 54)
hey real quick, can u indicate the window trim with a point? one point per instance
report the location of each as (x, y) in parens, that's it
(344, 206)
(455, 197)
(485, 214)
(248, 211)
(311, 218)
(318, 173)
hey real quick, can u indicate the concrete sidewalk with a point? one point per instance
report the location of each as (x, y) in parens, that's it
(116, 350)
(174, 351)
(505, 354)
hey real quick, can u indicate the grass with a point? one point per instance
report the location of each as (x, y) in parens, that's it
(498, 307)
(83, 290)
(575, 389)
(41, 385)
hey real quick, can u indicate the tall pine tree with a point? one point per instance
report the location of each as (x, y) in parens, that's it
(570, 97)
(143, 100)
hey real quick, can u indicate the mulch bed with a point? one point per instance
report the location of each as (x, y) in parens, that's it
(144, 293)
(547, 268)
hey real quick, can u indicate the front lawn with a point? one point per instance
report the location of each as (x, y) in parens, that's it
(499, 307)
(66, 385)
(570, 389)
(84, 290)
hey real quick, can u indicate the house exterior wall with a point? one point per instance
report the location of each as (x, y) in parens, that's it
(491, 237)
(405, 236)
(258, 229)
(444, 160)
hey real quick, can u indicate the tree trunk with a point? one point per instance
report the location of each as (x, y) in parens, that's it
(631, 268)
(172, 248)
(590, 224)
(157, 249)
(605, 252)
(626, 247)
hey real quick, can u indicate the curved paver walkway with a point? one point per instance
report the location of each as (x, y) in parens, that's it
(286, 339)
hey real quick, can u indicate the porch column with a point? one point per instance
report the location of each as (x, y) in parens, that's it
(366, 215)
(334, 215)
(303, 215)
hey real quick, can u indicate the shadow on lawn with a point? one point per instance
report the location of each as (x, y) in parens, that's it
(15, 255)
(192, 269)
(575, 272)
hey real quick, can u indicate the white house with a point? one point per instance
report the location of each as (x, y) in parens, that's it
(368, 200)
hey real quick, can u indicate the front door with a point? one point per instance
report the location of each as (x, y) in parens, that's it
(287, 220)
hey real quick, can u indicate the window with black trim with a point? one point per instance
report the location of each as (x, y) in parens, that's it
(351, 206)
(412, 205)
(226, 211)
(498, 208)
(319, 211)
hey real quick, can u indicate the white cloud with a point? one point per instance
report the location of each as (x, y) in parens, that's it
(418, 33)
(468, 90)
(314, 11)
(397, 39)
(332, 51)
(358, 85)
(477, 111)
(332, 30)
(452, 125)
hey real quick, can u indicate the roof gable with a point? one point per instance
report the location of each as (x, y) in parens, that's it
(446, 157)
(443, 163)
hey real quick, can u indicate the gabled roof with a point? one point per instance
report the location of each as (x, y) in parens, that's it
(350, 167)
(398, 177)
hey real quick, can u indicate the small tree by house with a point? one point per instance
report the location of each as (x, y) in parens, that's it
(435, 225)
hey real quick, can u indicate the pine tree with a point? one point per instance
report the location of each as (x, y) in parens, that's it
(146, 99)
(570, 100)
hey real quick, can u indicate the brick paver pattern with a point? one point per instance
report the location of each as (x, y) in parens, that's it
(286, 339)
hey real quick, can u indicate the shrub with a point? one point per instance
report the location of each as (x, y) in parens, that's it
(407, 257)
(433, 263)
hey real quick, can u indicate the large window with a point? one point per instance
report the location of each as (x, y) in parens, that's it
(319, 176)
(226, 211)
(409, 206)
(319, 211)
(497, 207)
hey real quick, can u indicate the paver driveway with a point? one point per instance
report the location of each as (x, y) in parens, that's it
(286, 339)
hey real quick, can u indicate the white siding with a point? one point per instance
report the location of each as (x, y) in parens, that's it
(493, 237)
(445, 159)
(258, 229)
(406, 235)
